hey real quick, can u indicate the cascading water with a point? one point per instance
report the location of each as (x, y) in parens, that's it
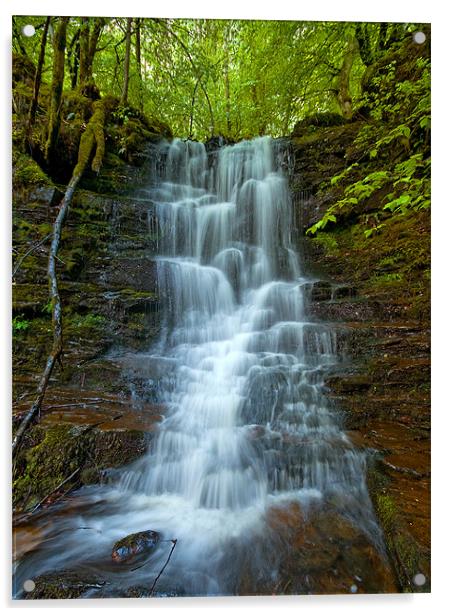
(247, 425)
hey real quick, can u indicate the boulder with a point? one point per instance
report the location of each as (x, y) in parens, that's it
(132, 546)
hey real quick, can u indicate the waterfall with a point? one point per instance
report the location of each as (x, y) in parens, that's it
(237, 334)
(246, 423)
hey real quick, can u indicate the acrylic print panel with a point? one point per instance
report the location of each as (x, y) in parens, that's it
(221, 307)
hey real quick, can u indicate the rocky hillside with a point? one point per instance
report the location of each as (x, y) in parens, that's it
(89, 421)
(372, 264)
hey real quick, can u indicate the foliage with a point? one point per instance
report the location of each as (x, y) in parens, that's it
(89, 321)
(19, 323)
(238, 78)
(391, 175)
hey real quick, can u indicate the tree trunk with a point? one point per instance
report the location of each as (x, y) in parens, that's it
(226, 81)
(192, 109)
(343, 93)
(369, 48)
(198, 74)
(97, 28)
(227, 97)
(73, 58)
(37, 80)
(124, 97)
(139, 65)
(54, 119)
(84, 49)
(88, 46)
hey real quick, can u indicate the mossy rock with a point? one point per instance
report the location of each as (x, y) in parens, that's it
(73, 102)
(134, 546)
(52, 452)
(129, 130)
(29, 299)
(26, 172)
(63, 585)
(324, 119)
(47, 464)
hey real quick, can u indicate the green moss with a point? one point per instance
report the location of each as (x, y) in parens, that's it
(63, 585)
(138, 295)
(23, 69)
(52, 452)
(27, 172)
(47, 464)
(74, 261)
(73, 102)
(326, 241)
(92, 137)
(91, 321)
(386, 510)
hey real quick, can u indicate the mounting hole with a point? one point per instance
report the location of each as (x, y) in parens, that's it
(354, 588)
(28, 30)
(419, 579)
(29, 586)
(419, 37)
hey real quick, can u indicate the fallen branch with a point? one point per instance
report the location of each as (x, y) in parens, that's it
(28, 252)
(29, 513)
(149, 558)
(58, 487)
(174, 541)
(404, 471)
(93, 137)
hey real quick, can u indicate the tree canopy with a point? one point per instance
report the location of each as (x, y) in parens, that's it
(206, 77)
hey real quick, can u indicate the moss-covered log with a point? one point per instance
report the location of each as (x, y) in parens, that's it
(93, 137)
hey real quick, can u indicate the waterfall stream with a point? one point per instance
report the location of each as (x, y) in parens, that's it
(246, 425)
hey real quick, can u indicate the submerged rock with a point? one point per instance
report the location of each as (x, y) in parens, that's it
(135, 545)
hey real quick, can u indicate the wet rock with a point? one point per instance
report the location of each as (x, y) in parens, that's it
(349, 384)
(138, 273)
(133, 546)
(64, 585)
(141, 592)
(321, 291)
(216, 142)
(323, 552)
(78, 438)
(46, 194)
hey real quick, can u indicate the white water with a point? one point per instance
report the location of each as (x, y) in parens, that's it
(246, 424)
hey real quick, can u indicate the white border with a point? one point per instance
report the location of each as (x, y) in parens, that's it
(377, 10)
